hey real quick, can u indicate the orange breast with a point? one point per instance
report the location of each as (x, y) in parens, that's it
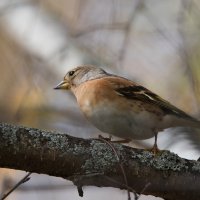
(91, 94)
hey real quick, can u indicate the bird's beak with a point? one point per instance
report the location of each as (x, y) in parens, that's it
(62, 85)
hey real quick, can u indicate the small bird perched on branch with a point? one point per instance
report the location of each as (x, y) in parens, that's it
(120, 107)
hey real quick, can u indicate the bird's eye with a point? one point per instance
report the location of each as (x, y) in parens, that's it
(71, 73)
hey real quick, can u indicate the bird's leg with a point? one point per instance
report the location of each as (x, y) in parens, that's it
(155, 148)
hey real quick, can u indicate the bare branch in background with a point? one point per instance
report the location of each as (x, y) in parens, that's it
(23, 180)
(183, 48)
(97, 27)
(13, 5)
(138, 7)
(93, 162)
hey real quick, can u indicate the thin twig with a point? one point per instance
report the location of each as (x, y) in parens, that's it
(145, 187)
(23, 180)
(121, 166)
(97, 27)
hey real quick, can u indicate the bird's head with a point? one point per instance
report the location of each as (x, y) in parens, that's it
(79, 75)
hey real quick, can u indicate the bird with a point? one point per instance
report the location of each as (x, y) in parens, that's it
(121, 107)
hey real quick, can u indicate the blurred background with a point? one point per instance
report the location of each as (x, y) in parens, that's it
(153, 42)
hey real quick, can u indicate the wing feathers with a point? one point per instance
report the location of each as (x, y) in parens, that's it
(137, 92)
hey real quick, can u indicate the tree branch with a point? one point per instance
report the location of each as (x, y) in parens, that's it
(93, 162)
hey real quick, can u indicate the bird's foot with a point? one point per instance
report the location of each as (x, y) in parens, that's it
(105, 138)
(155, 150)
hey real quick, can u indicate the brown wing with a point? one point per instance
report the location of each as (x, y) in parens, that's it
(130, 90)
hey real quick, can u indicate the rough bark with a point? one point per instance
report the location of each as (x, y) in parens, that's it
(93, 162)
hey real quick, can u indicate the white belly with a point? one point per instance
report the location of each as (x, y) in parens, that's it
(123, 124)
